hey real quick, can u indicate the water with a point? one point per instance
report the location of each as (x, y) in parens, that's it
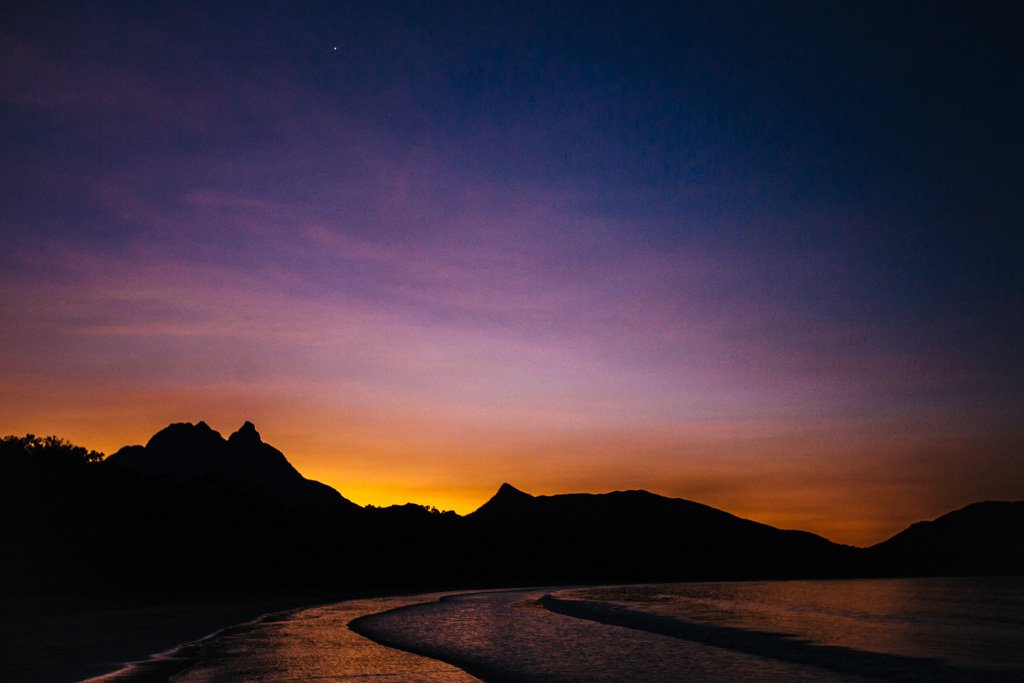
(510, 637)
(299, 645)
(314, 644)
(899, 629)
(966, 622)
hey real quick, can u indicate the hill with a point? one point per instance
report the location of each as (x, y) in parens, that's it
(981, 538)
(186, 452)
(627, 534)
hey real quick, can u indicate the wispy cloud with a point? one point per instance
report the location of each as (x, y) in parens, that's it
(408, 265)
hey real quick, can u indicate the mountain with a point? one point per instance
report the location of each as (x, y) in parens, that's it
(192, 510)
(615, 535)
(631, 509)
(507, 504)
(982, 538)
(186, 452)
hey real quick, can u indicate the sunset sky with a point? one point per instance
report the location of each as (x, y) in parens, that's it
(768, 256)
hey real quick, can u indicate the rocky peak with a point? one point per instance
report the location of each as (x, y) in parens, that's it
(508, 492)
(246, 435)
(185, 436)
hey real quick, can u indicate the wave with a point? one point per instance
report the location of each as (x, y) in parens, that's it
(376, 628)
(509, 636)
(180, 658)
(776, 646)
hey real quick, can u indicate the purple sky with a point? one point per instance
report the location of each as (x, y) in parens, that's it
(767, 257)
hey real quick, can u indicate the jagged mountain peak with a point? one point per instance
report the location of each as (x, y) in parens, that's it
(507, 500)
(185, 435)
(186, 452)
(246, 435)
(507, 490)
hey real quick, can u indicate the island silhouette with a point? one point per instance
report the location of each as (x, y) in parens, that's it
(191, 510)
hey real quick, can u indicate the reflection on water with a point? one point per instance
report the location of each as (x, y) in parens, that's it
(973, 622)
(315, 644)
(903, 629)
(510, 637)
(302, 645)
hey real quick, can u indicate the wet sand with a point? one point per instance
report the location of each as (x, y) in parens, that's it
(511, 637)
(55, 640)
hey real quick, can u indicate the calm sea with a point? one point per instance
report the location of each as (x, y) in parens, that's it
(895, 629)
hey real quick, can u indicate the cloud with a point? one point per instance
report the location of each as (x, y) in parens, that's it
(395, 282)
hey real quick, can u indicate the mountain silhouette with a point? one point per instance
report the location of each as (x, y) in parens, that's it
(507, 503)
(186, 452)
(192, 510)
(630, 509)
(981, 538)
(607, 536)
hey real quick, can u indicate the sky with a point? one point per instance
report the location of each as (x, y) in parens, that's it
(768, 256)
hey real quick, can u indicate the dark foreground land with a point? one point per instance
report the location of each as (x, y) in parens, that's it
(74, 638)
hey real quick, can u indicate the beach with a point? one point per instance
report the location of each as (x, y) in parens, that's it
(925, 629)
(62, 638)
(511, 637)
(966, 629)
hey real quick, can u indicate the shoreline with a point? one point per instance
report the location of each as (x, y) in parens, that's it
(364, 626)
(161, 666)
(363, 656)
(117, 638)
(137, 637)
(106, 638)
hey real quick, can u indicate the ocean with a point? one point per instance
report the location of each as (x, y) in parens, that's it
(936, 629)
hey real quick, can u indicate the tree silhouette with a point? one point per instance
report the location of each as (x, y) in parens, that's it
(45, 450)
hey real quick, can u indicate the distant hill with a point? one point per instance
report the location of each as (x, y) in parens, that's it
(629, 510)
(982, 538)
(632, 510)
(609, 536)
(184, 451)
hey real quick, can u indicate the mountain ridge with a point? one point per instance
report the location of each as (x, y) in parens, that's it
(193, 510)
(508, 502)
(989, 533)
(185, 451)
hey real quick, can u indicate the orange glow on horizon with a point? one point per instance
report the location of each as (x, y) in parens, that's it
(765, 472)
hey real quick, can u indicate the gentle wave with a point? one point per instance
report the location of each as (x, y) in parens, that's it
(971, 623)
(776, 646)
(164, 665)
(511, 637)
(800, 632)
(304, 644)
(315, 644)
